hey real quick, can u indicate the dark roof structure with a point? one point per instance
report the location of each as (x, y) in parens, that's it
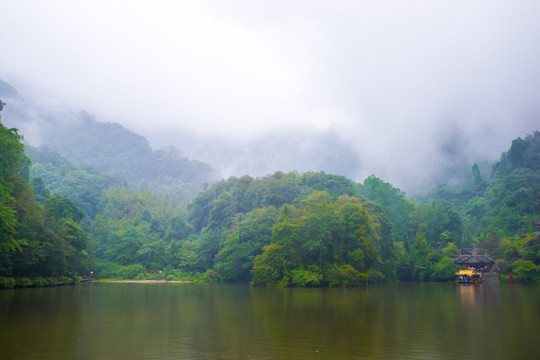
(474, 260)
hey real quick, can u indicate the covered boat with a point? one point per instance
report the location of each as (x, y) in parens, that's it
(468, 277)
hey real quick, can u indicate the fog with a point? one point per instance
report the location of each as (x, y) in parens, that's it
(406, 90)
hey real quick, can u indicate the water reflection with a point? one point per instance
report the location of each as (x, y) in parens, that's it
(468, 293)
(188, 321)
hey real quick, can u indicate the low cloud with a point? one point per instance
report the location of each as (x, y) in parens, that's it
(398, 89)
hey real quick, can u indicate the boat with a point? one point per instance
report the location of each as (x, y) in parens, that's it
(468, 277)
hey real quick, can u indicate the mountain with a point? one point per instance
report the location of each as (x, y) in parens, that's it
(299, 148)
(108, 147)
(291, 229)
(507, 201)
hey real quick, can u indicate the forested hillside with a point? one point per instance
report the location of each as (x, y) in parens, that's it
(38, 239)
(114, 150)
(285, 229)
(506, 203)
(53, 173)
(105, 148)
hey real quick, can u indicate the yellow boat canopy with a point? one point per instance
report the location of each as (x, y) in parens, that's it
(466, 272)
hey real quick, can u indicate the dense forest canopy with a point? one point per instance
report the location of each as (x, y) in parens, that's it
(37, 238)
(63, 217)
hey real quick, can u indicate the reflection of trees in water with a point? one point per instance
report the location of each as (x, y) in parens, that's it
(411, 320)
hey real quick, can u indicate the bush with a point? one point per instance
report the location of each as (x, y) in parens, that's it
(285, 281)
(531, 250)
(64, 280)
(110, 270)
(179, 275)
(23, 282)
(525, 271)
(375, 276)
(140, 277)
(210, 275)
(40, 282)
(131, 271)
(345, 275)
(305, 278)
(7, 283)
(444, 270)
(504, 266)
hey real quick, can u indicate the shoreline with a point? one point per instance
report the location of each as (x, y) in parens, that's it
(147, 281)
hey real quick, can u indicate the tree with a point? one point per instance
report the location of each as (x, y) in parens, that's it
(444, 270)
(270, 268)
(397, 207)
(235, 260)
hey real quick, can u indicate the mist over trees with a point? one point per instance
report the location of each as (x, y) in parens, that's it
(94, 196)
(107, 148)
(37, 238)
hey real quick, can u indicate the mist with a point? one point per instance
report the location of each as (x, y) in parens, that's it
(408, 91)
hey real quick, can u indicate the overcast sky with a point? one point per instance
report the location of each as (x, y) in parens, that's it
(394, 78)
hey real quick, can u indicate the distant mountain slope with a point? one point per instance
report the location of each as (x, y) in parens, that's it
(508, 201)
(7, 91)
(299, 150)
(447, 157)
(107, 147)
(54, 174)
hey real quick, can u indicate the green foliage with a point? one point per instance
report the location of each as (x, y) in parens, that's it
(334, 185)
(112, 149)
(7, 282)
(23, 282)
(66, 280)
(52, 173)
(40, 282)
(440, 223)
(271, 266)
(111, 270)
(345, 275)
(209, 275)
(34, 240)
(444, 270)
(235, 260)
(344, 236)
(507, 203)
(53, 281)
(185, 255)
(521, 258)
(12, 186)
(525, 271)
(531, 249)
(450, 250)
(306, 278)
(285, 229)
(398, 208)
(139, 227)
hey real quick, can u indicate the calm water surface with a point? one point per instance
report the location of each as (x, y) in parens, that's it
(189, 321)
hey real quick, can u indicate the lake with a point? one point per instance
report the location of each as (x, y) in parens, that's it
(199, 321)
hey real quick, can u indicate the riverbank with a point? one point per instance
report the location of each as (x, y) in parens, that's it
(148, 281)
(24, 282)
